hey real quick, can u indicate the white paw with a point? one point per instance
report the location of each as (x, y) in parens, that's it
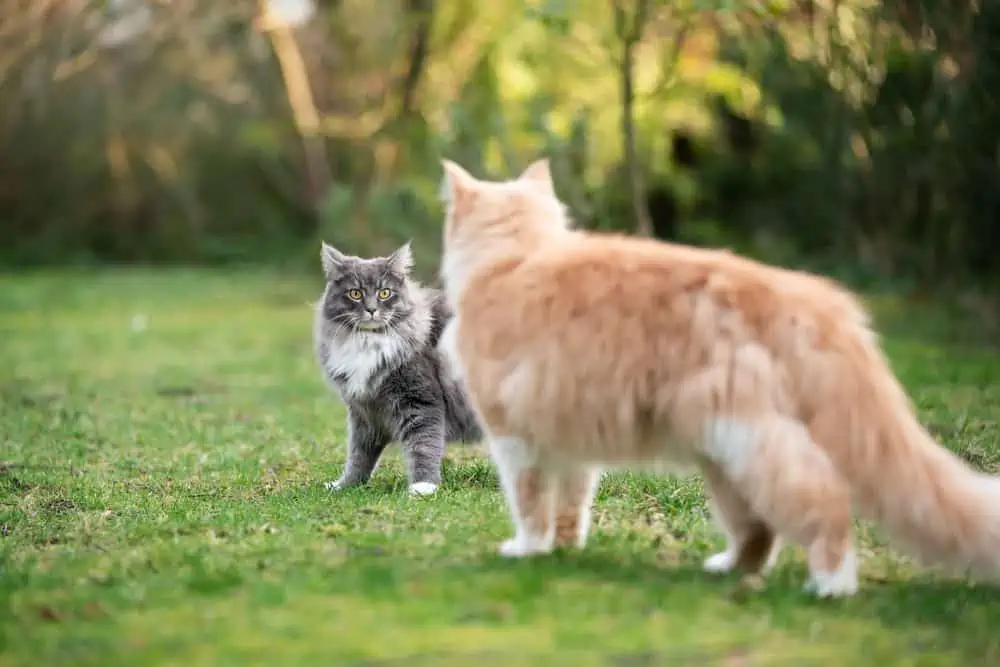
(843, 582)
(825, 586)
(521, 547)
(333, 485)
(423, 488)
(723, 561)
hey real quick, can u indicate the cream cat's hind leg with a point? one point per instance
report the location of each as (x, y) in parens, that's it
(750, 543)
(530, 493)
(790, 482)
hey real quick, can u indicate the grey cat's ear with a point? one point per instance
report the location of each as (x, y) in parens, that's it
(332, 259)
(539, 174)
(456, 182)
(401, 261)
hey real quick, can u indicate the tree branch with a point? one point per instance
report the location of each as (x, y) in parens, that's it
(669, 69)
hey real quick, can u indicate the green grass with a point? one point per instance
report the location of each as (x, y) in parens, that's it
(161, 502)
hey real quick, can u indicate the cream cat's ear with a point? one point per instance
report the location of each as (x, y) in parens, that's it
(332, 259)
(402, 260)
(457, 182)
(539, 174)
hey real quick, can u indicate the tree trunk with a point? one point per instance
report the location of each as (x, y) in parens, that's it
(421, 14)
(300, 98)
(629, 37)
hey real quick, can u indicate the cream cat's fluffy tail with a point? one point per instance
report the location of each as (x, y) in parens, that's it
(924, 496)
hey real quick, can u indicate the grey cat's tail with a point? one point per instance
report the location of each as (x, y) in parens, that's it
(440, 314)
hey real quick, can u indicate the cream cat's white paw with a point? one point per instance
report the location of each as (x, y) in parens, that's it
(723, 561)
(523, 546)
(423, 488)
(830, 586)
(842, 582)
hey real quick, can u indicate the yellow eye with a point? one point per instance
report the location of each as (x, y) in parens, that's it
(384, 294)
(354, 294)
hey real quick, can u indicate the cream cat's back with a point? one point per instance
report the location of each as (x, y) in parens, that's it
(615, 338)
(611, 306)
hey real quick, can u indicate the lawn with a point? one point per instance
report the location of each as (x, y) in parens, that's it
(164, 439)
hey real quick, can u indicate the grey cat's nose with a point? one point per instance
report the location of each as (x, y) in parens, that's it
(371, 311)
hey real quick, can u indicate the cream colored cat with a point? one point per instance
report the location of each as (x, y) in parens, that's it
(585, 351)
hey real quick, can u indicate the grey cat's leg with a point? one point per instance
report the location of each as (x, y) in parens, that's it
(421, 432)
(366, 441)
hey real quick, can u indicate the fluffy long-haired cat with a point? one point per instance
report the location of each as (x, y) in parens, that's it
(630, 351)
(375, 334)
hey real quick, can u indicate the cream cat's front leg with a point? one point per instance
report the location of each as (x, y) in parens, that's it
(530, 493)
(574, 495)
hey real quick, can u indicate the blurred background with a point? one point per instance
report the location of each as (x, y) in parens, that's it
(853, 137)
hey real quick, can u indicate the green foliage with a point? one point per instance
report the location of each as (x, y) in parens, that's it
(871, 151)
(138, 152)
(849, 134)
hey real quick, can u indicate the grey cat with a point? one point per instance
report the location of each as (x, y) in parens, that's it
(376, 333)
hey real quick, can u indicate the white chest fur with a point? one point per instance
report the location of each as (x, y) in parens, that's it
(352, 362)
(448, 347)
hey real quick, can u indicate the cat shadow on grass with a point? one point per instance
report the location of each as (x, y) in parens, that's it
(929, 614)
(947, 607)
(936, 612)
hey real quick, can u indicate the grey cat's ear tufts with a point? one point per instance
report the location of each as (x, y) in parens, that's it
(402, 260)
(539, 173)
(456, 182)
(332, 259)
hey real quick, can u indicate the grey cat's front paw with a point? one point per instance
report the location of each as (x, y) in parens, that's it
(423, 488)
(340, 484)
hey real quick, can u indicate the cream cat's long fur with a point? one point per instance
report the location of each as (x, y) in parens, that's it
(583, 351)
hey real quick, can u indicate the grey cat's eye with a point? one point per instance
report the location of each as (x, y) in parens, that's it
(384, 293)
(354, 294)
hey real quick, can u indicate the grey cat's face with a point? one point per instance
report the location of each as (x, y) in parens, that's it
(366, 295)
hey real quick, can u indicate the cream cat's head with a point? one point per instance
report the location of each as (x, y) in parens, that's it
(477, 208)
(496, 221)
